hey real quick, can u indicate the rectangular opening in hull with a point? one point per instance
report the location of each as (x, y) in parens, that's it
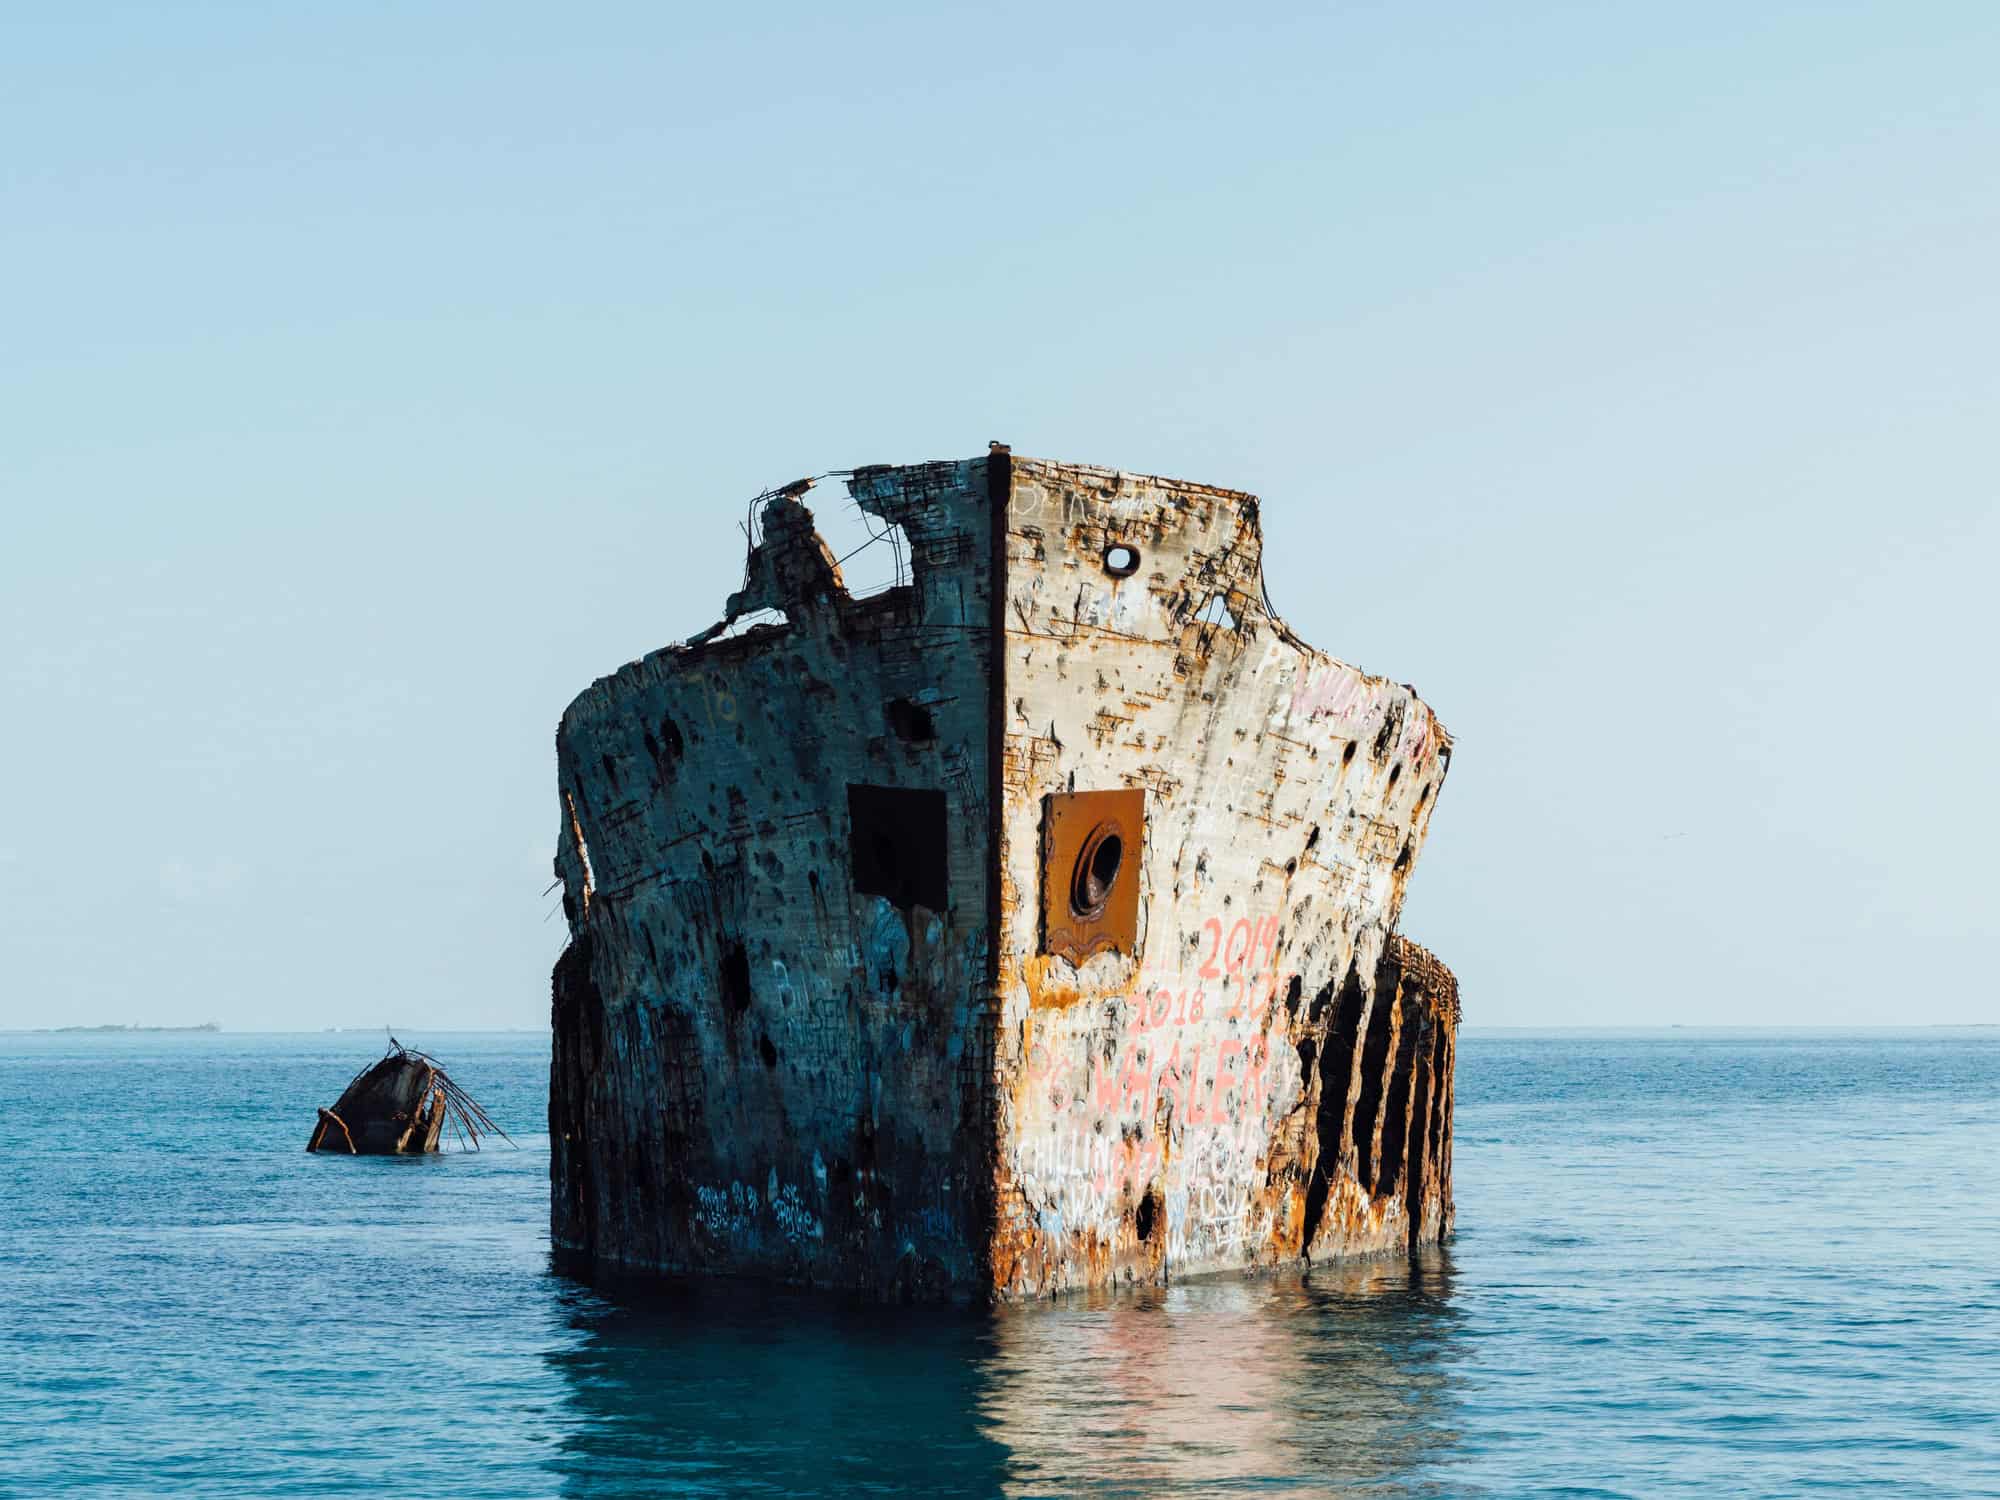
(896, 845)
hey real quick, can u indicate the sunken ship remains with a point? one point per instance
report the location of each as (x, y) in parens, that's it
(1028, 925)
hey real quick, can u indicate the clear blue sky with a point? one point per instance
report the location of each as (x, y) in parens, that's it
(375, 376)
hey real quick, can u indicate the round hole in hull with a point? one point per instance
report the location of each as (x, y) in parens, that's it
(1120, 560)
(1097, 867)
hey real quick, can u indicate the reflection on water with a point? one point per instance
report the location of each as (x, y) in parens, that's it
(721, 1388)
(1298, 1384)
(1686, 1266)
(1323, 1381)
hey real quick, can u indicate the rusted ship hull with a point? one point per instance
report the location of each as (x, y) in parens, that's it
(1031, 925)
(393, 1107)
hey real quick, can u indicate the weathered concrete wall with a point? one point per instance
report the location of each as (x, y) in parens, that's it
(1163, 1112)
(757, 1067)
(830, 1012)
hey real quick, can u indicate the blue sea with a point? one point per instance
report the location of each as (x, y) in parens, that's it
(1687, 1263)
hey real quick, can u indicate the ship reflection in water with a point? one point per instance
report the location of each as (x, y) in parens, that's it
(1329, 1381)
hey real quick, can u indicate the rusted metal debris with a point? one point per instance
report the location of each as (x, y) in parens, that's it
(1028, 925)
(400, 1105)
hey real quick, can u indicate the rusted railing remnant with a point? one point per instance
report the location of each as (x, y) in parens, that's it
(328, 1117)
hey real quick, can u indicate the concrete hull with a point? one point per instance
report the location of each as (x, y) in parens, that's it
(1029, 926)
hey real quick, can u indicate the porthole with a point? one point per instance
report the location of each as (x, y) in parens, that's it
(1121, 560)
(1093, 856)
(1097, 866)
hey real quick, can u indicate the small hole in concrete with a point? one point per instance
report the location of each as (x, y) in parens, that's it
(1147, 1216)
(1347, 755)
(665, 748)
(1218, 612)
(766, 1051)
(1121, 561)
(1395, 774)
(911, 721)
(735, 978)
(1385, 737)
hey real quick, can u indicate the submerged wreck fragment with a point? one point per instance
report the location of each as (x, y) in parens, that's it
(1028, 925)
(400, 1106)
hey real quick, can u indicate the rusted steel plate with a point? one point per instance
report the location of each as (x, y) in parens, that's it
(1093, 845)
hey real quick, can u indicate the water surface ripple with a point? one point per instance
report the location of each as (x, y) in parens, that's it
(1688, 1263)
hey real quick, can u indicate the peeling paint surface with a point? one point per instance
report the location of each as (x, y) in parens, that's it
(1161, 1114)
(1029, 926)
(759, 1067)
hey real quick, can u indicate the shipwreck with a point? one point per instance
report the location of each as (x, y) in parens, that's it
(1030, 924)
(400, 1105)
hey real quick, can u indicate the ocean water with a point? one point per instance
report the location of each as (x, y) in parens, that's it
(1714, 1263)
